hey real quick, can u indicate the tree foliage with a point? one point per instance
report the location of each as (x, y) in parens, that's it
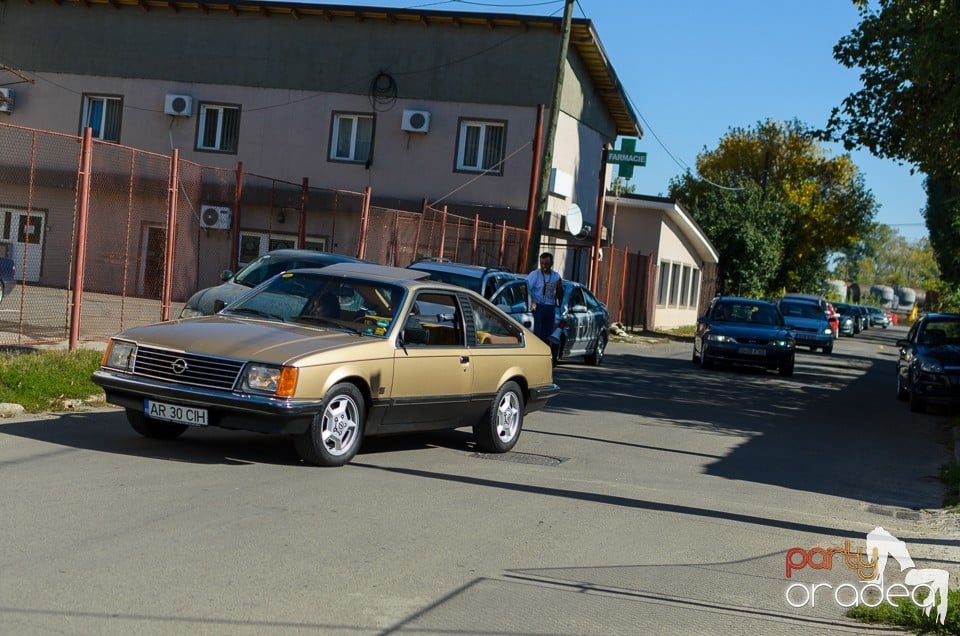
(942, 214)
(909, 106)
(883, 256)
(804, 203)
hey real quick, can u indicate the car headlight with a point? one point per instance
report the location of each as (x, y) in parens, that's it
(120, 354)
(783, 343)
(930, 366)
(716, 337)
(266, 378)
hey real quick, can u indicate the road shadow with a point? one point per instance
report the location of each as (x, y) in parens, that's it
(834, 427)
(107, 431)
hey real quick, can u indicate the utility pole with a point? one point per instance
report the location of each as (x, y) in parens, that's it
(547, 160)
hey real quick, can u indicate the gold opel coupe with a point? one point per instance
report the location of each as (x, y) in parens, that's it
(330, 356)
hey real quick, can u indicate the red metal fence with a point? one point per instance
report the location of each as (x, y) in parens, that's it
(105, 237)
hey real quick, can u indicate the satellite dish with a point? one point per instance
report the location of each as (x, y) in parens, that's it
(574, 220)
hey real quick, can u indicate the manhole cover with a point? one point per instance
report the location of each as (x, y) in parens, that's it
(523, 458)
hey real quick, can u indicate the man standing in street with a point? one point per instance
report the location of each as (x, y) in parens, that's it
(546, 288)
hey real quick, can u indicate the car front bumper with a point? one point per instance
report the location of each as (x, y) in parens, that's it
(241, 411)
(735, 353)
(810, 339)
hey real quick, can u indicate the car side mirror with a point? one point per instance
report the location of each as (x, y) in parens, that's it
(903, 343)
(226, 275)
(218, 305)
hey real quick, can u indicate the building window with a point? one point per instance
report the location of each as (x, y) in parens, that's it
(663, 291)
(351, 137)
(256, 244)
(685, 286)
(480, 146)
(102, 114)
(218, 128)
(674, 283)
(694, 301)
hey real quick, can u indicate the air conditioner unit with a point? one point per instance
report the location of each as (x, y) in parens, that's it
(6, 104)
(415, 121)
(178, 105)
(214, 217)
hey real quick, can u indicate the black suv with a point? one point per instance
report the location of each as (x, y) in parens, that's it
(497, 284)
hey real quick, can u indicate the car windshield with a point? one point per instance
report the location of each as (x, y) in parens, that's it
(262, 269)
(801, 310)
(938, 333)
(753, 313)
(331, 302)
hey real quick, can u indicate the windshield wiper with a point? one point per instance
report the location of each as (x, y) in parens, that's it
(256, 312)
(327, 322)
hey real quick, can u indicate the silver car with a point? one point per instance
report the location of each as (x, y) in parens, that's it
(581, 327)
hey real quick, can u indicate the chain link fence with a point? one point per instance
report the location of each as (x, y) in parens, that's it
(98, 237)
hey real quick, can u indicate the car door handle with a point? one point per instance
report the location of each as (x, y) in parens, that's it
(464, 359)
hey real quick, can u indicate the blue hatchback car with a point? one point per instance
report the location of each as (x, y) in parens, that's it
(744, 331)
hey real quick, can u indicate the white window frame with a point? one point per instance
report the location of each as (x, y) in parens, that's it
(318, 243)
(354, 118)
(202, 123)
(484, 126)
(100, 130)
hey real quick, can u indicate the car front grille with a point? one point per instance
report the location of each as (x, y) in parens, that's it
(187, 368)
(753, 341)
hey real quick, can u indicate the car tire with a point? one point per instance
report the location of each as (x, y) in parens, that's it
(786, 367)
(154, 429)
(902, 392)
(917, 403)
(335, 434)
(499, 429)
(695, 358)
(828, 350)
(813, 349)
(3, 293)
(595, 357)
(705, 361)
(556, 350)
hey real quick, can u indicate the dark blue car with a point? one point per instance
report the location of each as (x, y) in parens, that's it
(928, 369)
(744, 331)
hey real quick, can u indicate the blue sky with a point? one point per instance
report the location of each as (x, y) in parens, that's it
(696, 68)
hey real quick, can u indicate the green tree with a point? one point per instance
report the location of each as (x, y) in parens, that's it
(909, 103)
(747, 232)
(942, 214)
(817, 203)
(885, 257)
(909, 64)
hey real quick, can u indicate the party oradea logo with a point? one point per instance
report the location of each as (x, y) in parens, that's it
(925, 587)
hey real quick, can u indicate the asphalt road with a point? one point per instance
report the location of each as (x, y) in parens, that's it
(651, 497)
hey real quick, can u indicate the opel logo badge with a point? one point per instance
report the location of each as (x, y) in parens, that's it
(179, 366)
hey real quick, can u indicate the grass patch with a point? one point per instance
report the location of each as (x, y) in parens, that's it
(909, 615)
(41, 381)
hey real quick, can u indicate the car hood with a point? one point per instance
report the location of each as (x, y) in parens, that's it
(743, 330)
(252, 339)
(946, 354)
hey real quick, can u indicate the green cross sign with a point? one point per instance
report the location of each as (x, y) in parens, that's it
(626, 158)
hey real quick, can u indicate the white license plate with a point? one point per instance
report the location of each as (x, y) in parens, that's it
(752, 351)
(175, 413)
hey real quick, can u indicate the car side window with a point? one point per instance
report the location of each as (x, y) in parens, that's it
(576, 297)
(592, 303)
(435, 322)
(493, 329)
